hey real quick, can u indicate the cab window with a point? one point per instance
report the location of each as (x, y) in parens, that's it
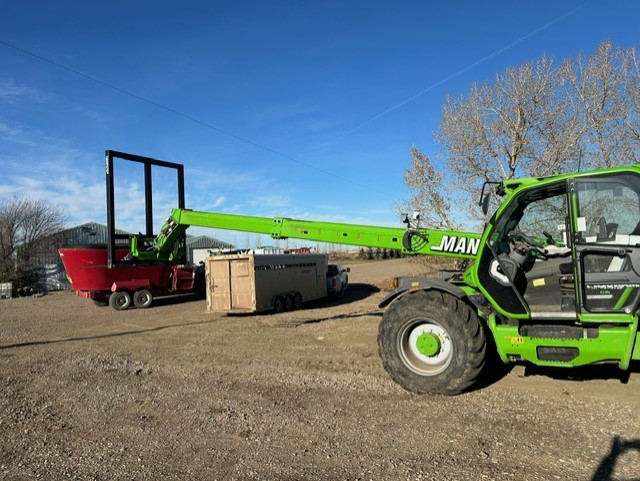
(609, 211)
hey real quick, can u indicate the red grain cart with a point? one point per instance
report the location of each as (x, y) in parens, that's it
(124, 284)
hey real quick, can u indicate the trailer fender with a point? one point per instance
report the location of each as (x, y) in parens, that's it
(132, 285)
(408, 284)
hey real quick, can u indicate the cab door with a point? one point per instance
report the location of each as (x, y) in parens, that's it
(605, 217)
(521, 284)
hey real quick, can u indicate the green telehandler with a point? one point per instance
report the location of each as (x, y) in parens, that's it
(553, 279)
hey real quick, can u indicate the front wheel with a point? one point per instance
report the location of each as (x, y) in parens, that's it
(431, 342)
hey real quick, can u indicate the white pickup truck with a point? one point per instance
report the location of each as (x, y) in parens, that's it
(337, 279)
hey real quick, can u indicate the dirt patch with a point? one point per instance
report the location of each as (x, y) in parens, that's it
(173, 392)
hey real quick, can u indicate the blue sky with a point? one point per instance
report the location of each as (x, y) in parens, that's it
(305, 109)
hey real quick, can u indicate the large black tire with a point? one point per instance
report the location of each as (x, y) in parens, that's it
(431, 342)
(120, 300)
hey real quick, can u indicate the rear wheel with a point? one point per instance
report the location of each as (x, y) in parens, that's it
(278, 304)
(288, 303)
(142, 298)
(297, 301)
(431, 342)
(120, 300)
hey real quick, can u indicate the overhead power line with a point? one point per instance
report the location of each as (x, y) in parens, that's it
(188, 117)
(464, 70)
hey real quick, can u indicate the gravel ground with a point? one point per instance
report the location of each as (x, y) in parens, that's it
(174, 392)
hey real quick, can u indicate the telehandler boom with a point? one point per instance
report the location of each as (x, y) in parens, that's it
(554, 279)
(165, 246)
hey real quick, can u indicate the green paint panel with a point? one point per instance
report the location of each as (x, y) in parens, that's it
(612, 344)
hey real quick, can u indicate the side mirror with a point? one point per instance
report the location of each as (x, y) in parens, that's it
(484, 199)
(485, 204)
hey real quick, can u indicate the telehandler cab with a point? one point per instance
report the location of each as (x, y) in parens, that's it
(553, 279)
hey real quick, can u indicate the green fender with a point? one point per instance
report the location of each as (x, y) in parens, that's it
(408, 284)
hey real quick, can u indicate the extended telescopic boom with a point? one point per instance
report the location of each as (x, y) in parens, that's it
(411, 240)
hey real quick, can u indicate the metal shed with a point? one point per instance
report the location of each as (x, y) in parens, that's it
(199, 247)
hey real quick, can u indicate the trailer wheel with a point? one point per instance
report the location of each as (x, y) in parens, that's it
(288, 303)
(297, 301)
(142, 298)
(120, 300)
(431, 342)
(278, 304)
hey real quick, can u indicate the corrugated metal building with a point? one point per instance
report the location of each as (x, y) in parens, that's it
(200, 247)
(53, 276)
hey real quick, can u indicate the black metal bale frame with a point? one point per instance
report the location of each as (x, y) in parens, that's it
(147, 162)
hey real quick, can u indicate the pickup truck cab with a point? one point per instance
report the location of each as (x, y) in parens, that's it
(337, 279)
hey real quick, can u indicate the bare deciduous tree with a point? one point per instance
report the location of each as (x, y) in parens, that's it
(25, 224)
(537, 119)
(631, 95)
(598, 85)
(430, 193)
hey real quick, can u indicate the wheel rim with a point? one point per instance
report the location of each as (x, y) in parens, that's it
(120, 300)
(142, 298)
(425, 347)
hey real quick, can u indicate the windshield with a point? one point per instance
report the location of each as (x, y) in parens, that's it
(539, 213)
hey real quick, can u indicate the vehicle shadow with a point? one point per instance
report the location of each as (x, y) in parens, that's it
(354, 293)
(494, 369)
(606, 468)
(584, 373)
(176, 299)
(351, 315)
